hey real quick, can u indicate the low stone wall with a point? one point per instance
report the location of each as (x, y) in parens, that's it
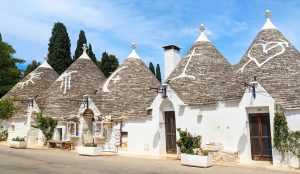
(221, 156)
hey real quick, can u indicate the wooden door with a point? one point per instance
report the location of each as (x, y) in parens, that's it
(261, 147)
(170, 127)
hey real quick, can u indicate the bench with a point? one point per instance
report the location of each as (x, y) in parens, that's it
(64, 145)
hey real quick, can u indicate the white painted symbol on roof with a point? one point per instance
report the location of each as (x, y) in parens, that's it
(105, 86)
(116, 79)
(183, 74)
(29, 78)
(275, 44)
(65, 79)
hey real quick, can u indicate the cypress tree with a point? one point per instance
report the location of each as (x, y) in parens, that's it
(151, 67)
(158, 75)
(81, 40)
(9, 73)
(31, 67)
(108, 64)
(59, 54)
(0, 37)
(91, 54)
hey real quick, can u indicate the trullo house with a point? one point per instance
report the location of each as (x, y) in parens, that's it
(66, 99)
(123, 102)
(26, 94)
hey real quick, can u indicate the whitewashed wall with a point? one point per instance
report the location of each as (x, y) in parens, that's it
(23, 127)
(225, 123)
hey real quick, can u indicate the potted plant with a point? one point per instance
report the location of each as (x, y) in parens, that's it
(18, 142)
(191, 152)
(89, 149)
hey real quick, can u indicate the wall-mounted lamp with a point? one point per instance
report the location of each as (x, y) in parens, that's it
(85, 101)
(29, 102)
(251, 87)
(161, 90)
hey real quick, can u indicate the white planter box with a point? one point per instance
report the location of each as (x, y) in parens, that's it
(195, 160)
(18, 144)
(90, 151)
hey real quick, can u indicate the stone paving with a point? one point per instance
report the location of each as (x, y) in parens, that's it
(57, 161)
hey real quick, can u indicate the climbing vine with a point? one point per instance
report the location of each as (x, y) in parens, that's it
(285, 141)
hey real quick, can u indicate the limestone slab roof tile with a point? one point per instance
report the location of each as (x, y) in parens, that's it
(126, 92)
(204, 76)
(276, 63)
(62, 98)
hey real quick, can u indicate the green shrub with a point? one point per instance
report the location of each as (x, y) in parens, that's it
(3, 134)
(47, 125)
(90, 145)
(19, 139)
(285, 141)
(6, 108)
(187, 142)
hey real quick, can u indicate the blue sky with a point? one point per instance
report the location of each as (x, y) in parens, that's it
(113, 25)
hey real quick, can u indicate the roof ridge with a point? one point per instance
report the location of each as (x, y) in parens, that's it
(133, 53)
(84, 55)
(202, 37)
(268, 24)
(45, 63)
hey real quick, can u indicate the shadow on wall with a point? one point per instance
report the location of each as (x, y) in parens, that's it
(181, 110)
(156, 139)
(199, 118)
(242, 143)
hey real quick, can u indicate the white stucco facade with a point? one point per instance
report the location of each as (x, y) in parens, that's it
(226, 123)
(22, 127)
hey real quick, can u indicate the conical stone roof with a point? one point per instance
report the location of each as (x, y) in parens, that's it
(276, 63)
(64, 97)
(31, 87)
(204, 76)
(126, 92)
(34, 84)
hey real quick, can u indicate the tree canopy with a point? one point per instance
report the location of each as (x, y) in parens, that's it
(91, 54)
(81, 40)
(151, 67)
(9, 73)
(31, 67)
(59, 54)
(158, 74)
(108, 63)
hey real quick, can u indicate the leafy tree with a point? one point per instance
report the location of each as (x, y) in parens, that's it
(158, 75)
(81, 40)
(108, 64)
(59, 55)
(9, 73)
(151, 67)
(47, 125)
(6, 108)
(31, 67)
(91, 54)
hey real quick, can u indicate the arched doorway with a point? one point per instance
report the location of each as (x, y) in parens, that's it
(87, 126)
(168, 118)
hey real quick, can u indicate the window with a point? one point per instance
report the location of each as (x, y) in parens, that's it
(73, 128)
(99, 129)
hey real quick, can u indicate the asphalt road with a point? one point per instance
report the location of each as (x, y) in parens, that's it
(44, 161)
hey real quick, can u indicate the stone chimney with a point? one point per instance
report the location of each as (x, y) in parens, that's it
(172, 58)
